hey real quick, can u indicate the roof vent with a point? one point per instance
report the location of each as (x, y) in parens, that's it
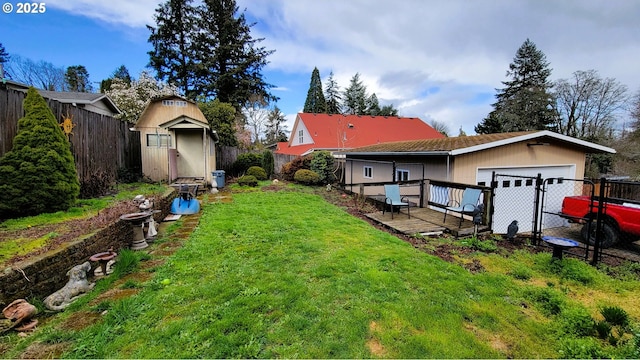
(350, 125)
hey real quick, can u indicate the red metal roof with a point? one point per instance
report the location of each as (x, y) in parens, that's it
(342, 132)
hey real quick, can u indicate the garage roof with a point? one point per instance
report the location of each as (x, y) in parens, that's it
(467, 144)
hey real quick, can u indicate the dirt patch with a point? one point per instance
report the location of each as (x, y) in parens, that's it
(80, 320)
(44, 351)
(374, 345)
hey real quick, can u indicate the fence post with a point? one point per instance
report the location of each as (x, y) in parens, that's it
(601, 200)
(536, 231)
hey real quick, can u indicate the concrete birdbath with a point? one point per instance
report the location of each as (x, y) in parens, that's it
(137, 220)
(103, 259)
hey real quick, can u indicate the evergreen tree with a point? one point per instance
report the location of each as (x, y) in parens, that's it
(174, 56)
(525, 103)
(355, 97)
(77, 79)
(276, 130)
(121, 73)
(38, 174)
(332, 96)
(4, 57)
(230, 59)
(373, 106)
(315, 102)
(388, 110)
(222, 119)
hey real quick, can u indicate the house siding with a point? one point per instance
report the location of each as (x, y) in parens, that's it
(465, 167)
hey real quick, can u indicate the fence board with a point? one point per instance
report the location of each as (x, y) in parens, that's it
(100, 144)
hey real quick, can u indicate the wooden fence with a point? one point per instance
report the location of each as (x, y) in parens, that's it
(101, 145)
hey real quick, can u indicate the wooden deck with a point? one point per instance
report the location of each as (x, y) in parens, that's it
(426, 222)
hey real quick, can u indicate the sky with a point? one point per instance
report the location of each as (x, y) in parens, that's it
(437, 60)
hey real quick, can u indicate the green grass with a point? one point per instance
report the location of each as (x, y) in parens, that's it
(83, 207)
(287, 275)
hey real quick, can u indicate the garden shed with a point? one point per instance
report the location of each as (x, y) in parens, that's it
(472, 160)
(176, 141)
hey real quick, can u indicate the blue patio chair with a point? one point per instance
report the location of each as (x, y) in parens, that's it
(466, 206)
(392, 198)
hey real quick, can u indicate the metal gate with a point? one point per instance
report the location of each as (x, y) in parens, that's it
(536, 204)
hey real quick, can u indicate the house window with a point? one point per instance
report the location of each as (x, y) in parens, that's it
(181, 103)
(167, 102)
(368, 172)
(402, 175)
(158, 140)
(301, 136)
(178, 103)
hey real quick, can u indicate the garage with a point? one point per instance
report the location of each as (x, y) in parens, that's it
(517, 157)
(514, 194)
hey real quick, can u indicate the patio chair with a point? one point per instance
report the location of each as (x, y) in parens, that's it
(392, 198)
(467, 206)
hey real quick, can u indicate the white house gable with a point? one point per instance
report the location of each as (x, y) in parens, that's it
(301, 135)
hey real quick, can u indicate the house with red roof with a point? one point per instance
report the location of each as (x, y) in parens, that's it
(334, 132)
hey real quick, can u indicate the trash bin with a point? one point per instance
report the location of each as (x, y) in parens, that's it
(218, 178)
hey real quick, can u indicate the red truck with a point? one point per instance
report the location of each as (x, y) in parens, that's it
(621, 219)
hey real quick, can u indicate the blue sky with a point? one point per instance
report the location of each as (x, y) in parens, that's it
(433, 59)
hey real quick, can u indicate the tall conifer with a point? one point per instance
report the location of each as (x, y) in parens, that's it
(315, 102)
(526, 102)
(38, 175)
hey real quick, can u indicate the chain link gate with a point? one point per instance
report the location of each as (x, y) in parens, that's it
(553, 222)
(514, 199)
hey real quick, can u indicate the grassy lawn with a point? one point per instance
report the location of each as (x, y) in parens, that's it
(287, 275)
(23, 235)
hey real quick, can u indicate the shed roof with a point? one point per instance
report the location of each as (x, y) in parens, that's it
(466, 144)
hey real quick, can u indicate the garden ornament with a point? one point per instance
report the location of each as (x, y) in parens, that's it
(76, 286)
(18, 316)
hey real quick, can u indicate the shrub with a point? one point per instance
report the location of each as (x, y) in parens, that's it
(248, 180)
(99, 184)
(322, 163)
(38, 174)
(615, 316)
(244, 162)
(289, 169)
(268, 163)
(603, 329)
(258, 172)
(307, 177)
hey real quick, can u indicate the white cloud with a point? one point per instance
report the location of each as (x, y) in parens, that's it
(133, 14)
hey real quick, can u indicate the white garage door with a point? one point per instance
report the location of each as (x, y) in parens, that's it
(514, 194)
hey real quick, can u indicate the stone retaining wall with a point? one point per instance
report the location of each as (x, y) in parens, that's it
(42, 275)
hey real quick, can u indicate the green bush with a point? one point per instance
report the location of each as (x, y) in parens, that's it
(268, 163)
(38, 175)
(248, 180)
(258, 172)
(322, 163)
(615, 316)
(306, 177)
(603, 329)
(289, 169)
(244, 162)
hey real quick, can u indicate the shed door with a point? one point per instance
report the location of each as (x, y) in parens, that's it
(514, 200)
(190, 157)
